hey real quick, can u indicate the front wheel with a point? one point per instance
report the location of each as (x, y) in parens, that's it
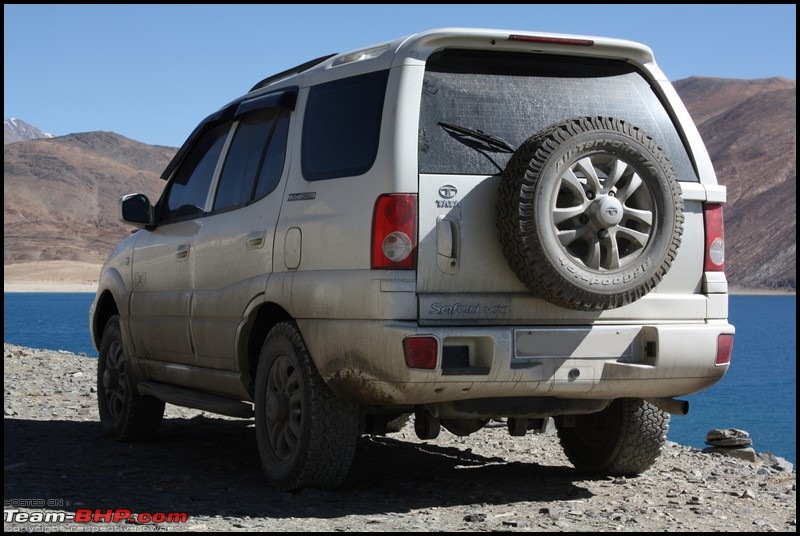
(624, 439)
(306, 435)
(125, 414)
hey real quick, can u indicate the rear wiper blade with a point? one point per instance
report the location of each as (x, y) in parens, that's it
(493, 141)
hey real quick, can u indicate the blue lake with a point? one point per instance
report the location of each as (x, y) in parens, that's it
(758, 394)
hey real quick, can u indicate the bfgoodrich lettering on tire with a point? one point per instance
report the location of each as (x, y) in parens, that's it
(306, 436)
(590, 213)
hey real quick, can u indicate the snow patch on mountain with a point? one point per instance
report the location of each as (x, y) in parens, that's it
(18, 130)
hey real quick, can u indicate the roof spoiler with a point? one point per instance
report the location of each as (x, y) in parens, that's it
(289, 72)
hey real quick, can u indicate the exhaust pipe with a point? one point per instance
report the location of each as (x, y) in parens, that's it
(670, 405)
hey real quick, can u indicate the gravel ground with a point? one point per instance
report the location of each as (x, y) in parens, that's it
(58, 459)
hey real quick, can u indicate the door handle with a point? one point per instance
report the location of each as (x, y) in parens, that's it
(447, 245)
(446, 238)
(256, 239)
(183, 252)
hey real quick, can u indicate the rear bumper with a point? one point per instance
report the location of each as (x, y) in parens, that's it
(363, 361)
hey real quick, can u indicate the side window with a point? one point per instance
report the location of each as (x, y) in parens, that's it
(272, 168)
(248, 157)
(188, 189)
(342, 126)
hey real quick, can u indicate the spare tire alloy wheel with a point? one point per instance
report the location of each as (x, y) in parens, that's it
(306, 436)
(590, 213)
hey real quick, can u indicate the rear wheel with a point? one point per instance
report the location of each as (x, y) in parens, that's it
(125, 414)
(625, 439)
(306, 436)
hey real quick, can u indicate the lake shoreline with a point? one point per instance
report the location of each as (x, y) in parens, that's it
(50, 286)
(91, 286)
(74, 276)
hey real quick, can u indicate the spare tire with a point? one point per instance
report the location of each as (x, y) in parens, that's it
(590, 214)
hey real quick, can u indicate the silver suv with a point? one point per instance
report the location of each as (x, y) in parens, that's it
(460, 225)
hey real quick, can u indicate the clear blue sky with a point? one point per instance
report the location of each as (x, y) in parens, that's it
(152, 72)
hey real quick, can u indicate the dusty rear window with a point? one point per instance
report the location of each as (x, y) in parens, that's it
(512, 96)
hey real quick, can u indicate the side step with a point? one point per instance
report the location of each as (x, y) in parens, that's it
(180, 396)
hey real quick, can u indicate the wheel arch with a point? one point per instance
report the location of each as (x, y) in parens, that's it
(107, 304)
(105, 307)
(260, 321)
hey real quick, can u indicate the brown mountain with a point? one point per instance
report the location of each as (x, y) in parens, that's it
(750, 129)
(60, 194)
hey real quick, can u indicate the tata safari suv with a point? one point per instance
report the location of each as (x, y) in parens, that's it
(460, 225)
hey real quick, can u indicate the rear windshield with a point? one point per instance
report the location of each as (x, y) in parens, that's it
(512, 96)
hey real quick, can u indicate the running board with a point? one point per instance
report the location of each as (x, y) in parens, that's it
(180, 396)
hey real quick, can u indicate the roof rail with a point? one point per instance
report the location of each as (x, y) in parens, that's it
(289, 72)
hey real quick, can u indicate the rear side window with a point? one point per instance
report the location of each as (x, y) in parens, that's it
(513, 96)
(342, 126)
(255, 157)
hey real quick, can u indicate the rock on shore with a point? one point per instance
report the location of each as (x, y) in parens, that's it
(58, 459)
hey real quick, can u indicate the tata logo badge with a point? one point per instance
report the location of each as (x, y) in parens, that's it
(448, 191)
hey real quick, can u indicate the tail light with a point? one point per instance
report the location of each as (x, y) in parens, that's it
(394, 232)
(421, 352)
(724, 348)
(715, 238)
